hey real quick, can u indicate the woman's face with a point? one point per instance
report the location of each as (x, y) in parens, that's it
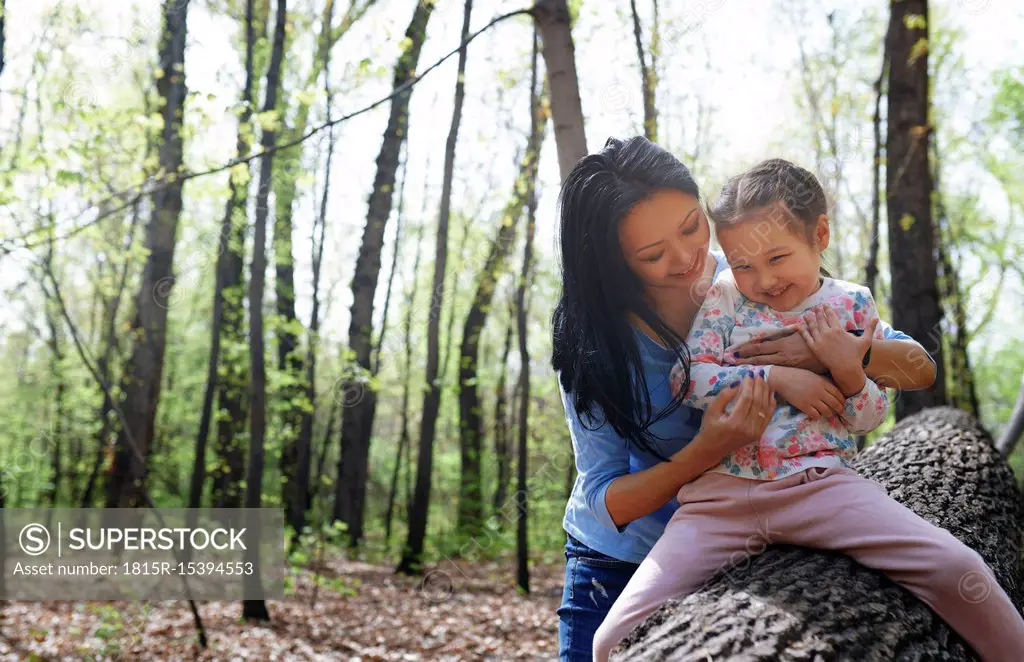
(664, 240)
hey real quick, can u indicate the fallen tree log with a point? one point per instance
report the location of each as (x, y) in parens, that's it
(793, 603)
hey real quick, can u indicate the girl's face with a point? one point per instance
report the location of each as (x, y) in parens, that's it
(665, 239)
(772, 262)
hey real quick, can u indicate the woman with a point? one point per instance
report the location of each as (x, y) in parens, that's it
(635, 268)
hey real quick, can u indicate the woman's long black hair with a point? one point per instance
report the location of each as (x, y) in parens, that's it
(594, 348)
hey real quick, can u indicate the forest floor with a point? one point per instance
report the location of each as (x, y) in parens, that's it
(362, 612)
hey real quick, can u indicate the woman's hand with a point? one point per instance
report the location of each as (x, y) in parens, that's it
(812, 394)
(753, 405)
(786, 349)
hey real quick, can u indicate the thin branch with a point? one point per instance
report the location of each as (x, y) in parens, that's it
(8, 245)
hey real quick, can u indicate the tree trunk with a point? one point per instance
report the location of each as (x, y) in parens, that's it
(234, 215)
(3, 10)
(294, 441)
(418, 511)
(794, 603)
(357, 422)
(57, 372)
(1014, 427)
(522, 500)
(233, 375)
(471, 432)
(297, 489)
(502, 438)
(403, 436)
(962, 392)
(915, 293)
(552, 20)
(144, 370)
(647, 78)
(255, 609)
(871, 267)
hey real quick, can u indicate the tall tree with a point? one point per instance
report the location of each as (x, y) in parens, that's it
(299, 501)
(871, 266)
(403, 437)
(522, 494)
(357, 420)
(234, 215)
(144, 371)
(3, 10)
(554, 23)
(647, 75)
(233, 372)
(288, 326)
(411, 555)
(255, 609)
(502, 437)
(471, 507)
(915, 292)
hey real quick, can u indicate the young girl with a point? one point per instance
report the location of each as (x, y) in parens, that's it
(795, 484)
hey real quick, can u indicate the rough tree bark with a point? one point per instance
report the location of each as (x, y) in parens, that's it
(916, 307)
(144, 370)
(357, 420)
(794, 603)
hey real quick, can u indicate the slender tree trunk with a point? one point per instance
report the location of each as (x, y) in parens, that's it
(294, 445)
(413, 552)
(144, 371)
(1014, 427)
(233, 375)
(552, 20)
(57, 371)
(471, 502)
(522, 541)
(357, 421)
(403, 439)
(962, 392)
(3, 10)
(871, 268)
(255, 609)
(647, 78)
(502, 439)
(299, 500)
(325, 446)
(915, 292)
(234, 215)
(111, 309)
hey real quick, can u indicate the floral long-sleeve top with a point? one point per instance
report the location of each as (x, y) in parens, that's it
(792, 442)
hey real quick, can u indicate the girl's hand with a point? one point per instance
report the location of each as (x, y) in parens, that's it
(810, 393)
(788, 348)
(753, 405)
(839, 350)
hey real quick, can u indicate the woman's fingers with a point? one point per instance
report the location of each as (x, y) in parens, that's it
(806, 335)
(718, 405)
(741, 411)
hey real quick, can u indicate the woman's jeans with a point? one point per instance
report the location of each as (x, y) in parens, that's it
(592, 583)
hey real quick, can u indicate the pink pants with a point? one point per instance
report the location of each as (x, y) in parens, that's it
(724, 519)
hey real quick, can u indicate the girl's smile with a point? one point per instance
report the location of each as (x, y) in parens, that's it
(773, 261)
